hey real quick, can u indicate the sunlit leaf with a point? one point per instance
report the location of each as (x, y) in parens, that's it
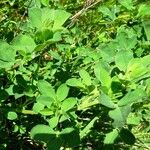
(127, 4)
(87, 128)
(122, 59)
(62, 92)
(144, 10)
(7, 55)
(68, 104)
(106, 101)
(46, 89)
(75, 83)
(37, 107)
(53, 121)
(24, 43)
(45, 100)
(43, 133)
(119, 115)
(59, 19)
(85, 77)
(110, 137)
(132, 97)
(12, 115)
(43, 18)
(102, 75)
(35, 17)
(146, 24)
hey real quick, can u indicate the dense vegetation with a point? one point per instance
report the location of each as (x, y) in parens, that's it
(74, 75)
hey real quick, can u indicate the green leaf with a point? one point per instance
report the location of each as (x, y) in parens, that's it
(54, 144)
(53, 139)
(43, 18)
(67, 141)
(46, 112)
(4, 94)
(119, 115)
(67, 130)
(75, 82)
(107, 12)
(63, 118)
(59, 19)
(106, 101)
(127, 4)
(133, 119)
(146, 60)
(108, 52)
(110, 137)
(46, 89)
(102, 75)
(7, 55)
(56, 37)
(127, 136)
(146, 25)
(125, 40)
(89, 100)
(135, 69)
(67, 116)
(86, 129)
(42, 133)
(86, 79)
(53, 121)
(132, 97)
(45, 100)
(24, 44)
(55, 55)
(11, 115)
(35, 17)
(35, 3)
(62, 92)
(122, 59)
(68, 104)
(37, 107)
(43, 35)
(48, 16)
(144, 10)
(45, 2)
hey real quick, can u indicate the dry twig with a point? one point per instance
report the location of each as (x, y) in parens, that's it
(83, 10)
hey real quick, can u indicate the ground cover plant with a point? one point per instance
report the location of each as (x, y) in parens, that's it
(74, 75)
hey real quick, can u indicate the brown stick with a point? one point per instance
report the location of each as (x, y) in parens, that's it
(79, 13)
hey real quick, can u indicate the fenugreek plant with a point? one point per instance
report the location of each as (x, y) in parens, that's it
(75, 75)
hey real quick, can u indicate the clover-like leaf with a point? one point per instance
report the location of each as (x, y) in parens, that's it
(12, 115)
(86, 79)
(46, 89)
(102, 74)
(132, 97)
(7, 55)
(119, 115)
(122, 59)
(75, 82)
(43, 133)
(68, 103)
(111, 136)
(62, 92)
(24, 44)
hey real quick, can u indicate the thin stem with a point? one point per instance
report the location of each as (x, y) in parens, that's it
(79, 13)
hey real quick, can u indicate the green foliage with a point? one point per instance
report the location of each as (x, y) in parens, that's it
(80, 83)
(110, 137)
(7, 55)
